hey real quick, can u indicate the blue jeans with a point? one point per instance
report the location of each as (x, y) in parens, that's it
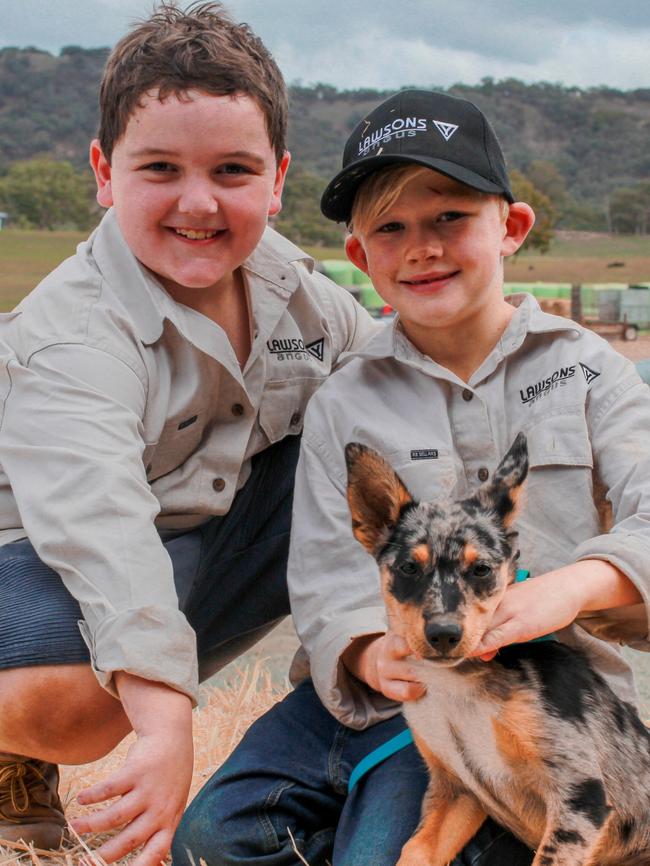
(291, 772)
(230, 577)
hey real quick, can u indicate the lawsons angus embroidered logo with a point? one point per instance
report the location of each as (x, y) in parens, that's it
(540, 389)
(446, 130)
(400, 127)
(293, 348)
(588, 373)
(403, 127)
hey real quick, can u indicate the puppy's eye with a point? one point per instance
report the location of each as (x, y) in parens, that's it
(408, 568)
(481, 569)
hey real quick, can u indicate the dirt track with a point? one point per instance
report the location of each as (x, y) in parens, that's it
(635, 350)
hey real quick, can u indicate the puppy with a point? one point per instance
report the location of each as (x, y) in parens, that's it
(535, 738)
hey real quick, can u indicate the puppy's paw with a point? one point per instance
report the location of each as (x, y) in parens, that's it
(415, 853)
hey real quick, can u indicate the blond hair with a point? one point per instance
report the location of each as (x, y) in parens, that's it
(380, 190)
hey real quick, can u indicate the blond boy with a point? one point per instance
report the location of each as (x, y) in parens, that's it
(441, 393)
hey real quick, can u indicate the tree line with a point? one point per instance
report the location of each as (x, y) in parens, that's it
(580, 157)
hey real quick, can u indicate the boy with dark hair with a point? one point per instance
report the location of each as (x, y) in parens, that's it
(153, 392)
(441, 394)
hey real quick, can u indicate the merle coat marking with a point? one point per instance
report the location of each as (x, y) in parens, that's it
(536, 739)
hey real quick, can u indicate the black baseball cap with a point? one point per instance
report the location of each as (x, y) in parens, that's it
(424, 127)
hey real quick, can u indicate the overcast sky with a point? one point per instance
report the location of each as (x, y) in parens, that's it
(389, 43)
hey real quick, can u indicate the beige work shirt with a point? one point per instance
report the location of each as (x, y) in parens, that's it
(126, 412)
(583, 408)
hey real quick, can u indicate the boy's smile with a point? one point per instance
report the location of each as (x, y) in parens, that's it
(192, 180)
(435, 257)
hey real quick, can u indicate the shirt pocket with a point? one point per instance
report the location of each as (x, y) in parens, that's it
(559, 509)
(559, 440)
(428, 473)
(283, 404)
(179, 439)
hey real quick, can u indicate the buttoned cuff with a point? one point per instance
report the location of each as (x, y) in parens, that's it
(348, 699)
(155, 643)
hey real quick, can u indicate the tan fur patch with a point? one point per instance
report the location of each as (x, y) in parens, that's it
(518, 730)
(517, 734)
(421, 554)
(375, 496)
(444, 831)
(477, 616)
(448, 816)
(404, 619)
(469, 555)
(517, 495)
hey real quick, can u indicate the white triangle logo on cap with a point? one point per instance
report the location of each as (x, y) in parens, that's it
(445, 129)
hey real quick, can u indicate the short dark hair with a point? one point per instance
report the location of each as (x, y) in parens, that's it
(199, 48)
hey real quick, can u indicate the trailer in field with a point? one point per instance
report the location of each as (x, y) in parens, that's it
(624, 310)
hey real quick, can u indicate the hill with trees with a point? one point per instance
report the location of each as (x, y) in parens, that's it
(585, 151)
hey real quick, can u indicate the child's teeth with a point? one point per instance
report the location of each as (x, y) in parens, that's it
(195, 235)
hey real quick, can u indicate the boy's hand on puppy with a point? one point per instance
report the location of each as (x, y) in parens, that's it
(529, 610)
(381, 662)
(153, 783)
(544, 604)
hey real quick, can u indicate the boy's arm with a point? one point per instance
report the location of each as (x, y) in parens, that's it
(71, 445)
(333, 583)
(554, 600)
(608, 587)
(153, 783)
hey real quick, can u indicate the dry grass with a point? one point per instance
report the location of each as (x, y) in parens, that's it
(219, 724)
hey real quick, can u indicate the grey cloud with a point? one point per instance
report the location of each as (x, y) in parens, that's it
(91, 23)
(501, 29)
(372, 43)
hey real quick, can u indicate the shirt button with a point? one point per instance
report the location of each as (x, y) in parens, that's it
(296, 418)
(467, 395)
(237, 409)
(218, 484)
(483, 474)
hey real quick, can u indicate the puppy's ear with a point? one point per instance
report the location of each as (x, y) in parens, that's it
(502, 492)
(375, 496)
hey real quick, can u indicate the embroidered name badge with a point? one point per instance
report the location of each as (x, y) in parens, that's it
(424, 454)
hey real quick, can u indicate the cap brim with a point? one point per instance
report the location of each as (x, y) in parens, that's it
(338, 198)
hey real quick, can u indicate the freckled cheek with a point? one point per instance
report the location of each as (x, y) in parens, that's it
(143, 212)
(385, 278)
(381, 262)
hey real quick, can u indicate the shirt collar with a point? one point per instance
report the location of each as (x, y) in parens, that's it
(135, 286)
(273, 256)
(146, 300)
(529, 318)
(391, 341)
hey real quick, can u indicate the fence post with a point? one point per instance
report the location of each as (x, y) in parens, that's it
(576, 302)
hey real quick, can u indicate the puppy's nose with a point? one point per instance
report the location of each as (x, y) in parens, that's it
(443, 636)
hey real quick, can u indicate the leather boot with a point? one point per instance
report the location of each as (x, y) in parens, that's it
(30, 808)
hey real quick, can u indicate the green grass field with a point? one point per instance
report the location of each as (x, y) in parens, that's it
(574, 257)
(27, 256)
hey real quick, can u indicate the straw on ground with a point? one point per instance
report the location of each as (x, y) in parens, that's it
(219, 723)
